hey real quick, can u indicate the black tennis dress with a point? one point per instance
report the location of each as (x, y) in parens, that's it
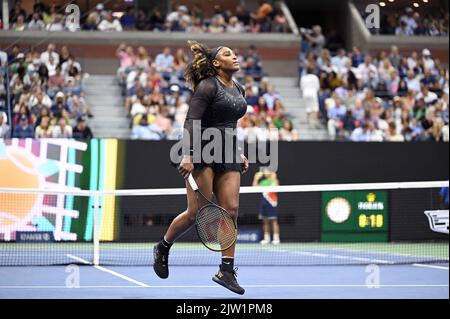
(220, 107)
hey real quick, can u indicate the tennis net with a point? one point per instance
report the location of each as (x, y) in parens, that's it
(382, 223)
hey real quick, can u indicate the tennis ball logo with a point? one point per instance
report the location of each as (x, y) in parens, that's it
(371, 197)
(17, 170)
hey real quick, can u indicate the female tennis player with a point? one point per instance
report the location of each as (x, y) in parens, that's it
(218, 102)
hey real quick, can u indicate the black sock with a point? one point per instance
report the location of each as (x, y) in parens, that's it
(227, 264)
(164, 246)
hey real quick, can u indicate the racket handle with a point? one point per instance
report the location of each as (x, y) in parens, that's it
(192, 182)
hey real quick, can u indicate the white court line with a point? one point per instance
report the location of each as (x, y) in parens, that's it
(430, 266)
(247, 286)
(109, 271)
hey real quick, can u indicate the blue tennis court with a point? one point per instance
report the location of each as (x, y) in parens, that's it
(316, 271)
(188, 282)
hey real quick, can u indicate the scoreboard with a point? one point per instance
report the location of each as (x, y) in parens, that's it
(355, 216)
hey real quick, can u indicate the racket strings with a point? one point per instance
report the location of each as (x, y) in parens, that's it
(216, 229)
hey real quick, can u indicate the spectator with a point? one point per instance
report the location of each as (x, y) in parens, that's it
(142, 131)
(59, 104)
(51, 66)
(128, 20)
(82, 130)
(62, 129)
(217, 25)
(357, 57)
(110, 23)
(310, 86)
(427, 60)
(392, 135)
(412, 82)
(395, 57)
(3, 58)
(270, 96)
(429, 97)
(39, 100)
(142, 60)
(23, 129)
(36, 23)
(19, 25)
(57, 24)
(156, 20)
(164, 63)
(4, 127)
(288, 133)
(243, 15)
(366, 133)
(403, 30)
(335, 114)
(313, 40)
(55, 82)
(17, 11)
(45, 56)
(280, 23)
(367, 72)
(235, 26)
(44, 129)
(49, 17)
(178, 20)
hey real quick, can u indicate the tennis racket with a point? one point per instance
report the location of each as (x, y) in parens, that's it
(215, 227)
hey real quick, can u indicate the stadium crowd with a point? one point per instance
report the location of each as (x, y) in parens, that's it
(46, 94)
(156, 97)
(386, 97)
(266, 18)
(409, 22)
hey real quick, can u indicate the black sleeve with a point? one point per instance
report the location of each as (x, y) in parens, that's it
(203, 96)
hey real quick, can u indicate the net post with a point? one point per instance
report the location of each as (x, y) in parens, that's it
(96, 230)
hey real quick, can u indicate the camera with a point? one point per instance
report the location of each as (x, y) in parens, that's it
(305, 30)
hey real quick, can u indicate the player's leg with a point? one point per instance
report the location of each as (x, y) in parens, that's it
(276, 231)
(266, 231)
(226, 188)
(183, 222)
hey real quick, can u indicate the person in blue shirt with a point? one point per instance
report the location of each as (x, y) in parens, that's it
(23, 130)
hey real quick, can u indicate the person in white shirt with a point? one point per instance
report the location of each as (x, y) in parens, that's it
(413, 60)
(235, 26)
(110, 24)
(367, 71)
(408, 19)
(3, 58)
(51, 66)
(428, 62)
(412, 82)
(39, 98)
(340, 60)
(392, 135)
(50, 52)
(310, 86)
(62, 130)
(403, 30)
(36, 24)
(57, 24)
(4, 128)
(429, 97)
